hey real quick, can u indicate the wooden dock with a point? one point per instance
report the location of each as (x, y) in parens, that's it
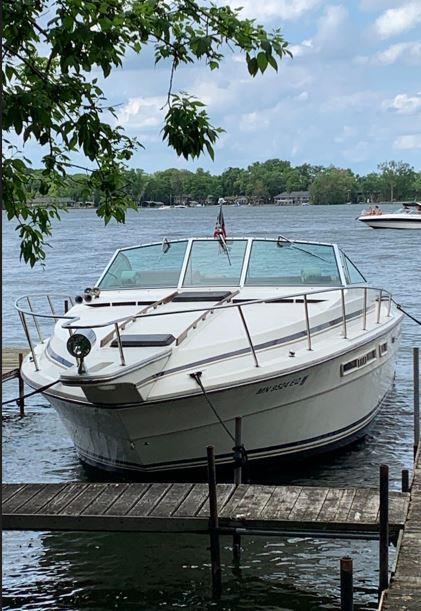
(10, 362)
(405, 587)
(176, 507)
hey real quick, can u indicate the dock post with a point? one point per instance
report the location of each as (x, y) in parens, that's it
(347, 589)
(384, 530)
(416, 363)
(21, 400)
(236, 538)
(214, 525)
(405, 480)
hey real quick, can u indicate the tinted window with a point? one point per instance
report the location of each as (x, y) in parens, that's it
(297, 264)
(210, 264)
(146, 267)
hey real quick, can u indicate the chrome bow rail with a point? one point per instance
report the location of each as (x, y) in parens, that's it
(71, 322)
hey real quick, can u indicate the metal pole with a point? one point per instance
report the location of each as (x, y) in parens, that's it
(343, 313)
(28, 338)
(214, 525)
(405, 480)
(51, 305)
(347, 590)
(37, 325)
(379, 306)
(365, 309)
(66, 306)
(384, 529)
(248, 335)
(307, 323)
(120, 346)
(21, 401)
(236, 539)
(416, 367)
(389, 305)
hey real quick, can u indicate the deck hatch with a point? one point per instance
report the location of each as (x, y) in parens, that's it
(143, 341)
(202, 296)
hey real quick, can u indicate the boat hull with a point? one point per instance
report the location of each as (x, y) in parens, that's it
(313, 409)
(391, 222)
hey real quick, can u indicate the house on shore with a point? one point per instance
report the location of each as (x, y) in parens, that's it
(292, 198)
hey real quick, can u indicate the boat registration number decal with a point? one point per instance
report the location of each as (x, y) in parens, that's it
(294, 382)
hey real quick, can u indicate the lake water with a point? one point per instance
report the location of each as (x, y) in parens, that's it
(110, 571)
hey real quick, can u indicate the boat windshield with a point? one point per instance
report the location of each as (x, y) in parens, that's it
(292, 264)
(158, 265)
(212, 264)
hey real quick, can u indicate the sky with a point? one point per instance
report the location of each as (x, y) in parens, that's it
(351, 95)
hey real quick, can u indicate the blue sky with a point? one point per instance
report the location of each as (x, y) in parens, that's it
(350, 97)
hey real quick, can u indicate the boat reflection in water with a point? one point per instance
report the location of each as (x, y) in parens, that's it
(286, 334)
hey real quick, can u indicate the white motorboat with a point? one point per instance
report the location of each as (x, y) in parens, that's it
(407, 217)
(179, 338)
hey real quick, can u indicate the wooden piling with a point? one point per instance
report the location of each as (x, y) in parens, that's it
(214, 525)
(21, 401)
(347, 589)
(405, 480)
(236, 539)
(416, 369)
(384, 529)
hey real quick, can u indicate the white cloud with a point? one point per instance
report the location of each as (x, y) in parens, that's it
(409, 52)
(408, 141)
(271, 9)
(405, 104)
(330, 25)
(356, 101)
(397, 20)
(301, 49)
(142, 113)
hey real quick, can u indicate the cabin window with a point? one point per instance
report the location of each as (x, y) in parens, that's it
(213, 264)
(292, 264)
(383, 349)
(358, 362)
(155, 266)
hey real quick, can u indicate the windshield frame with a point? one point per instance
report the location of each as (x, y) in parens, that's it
(246, 260)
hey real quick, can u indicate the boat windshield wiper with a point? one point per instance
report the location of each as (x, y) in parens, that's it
(293, 245)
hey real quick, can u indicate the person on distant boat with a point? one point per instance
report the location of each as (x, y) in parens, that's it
(377, 210)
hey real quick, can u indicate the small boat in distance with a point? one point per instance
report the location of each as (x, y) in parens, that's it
(407, 217)
(178, 338)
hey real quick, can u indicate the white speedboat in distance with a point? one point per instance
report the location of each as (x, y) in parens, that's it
(407, 217)
(179, 338)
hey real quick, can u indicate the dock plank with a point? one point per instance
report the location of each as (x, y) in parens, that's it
(193, 502)
(223, 495)
(308, 504)
(149, 501)
(281, 502)
(40, 500)
(253, 502)
(130, 496)
(171, 501)
(10, 361)
(108, 495)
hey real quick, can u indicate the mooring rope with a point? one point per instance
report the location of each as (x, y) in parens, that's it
(240, 452)
(406, 313)
(30, 394)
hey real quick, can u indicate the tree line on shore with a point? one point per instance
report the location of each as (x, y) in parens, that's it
(260, 182)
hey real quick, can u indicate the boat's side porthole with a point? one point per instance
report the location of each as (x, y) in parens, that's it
(358, 362)
(382, 349)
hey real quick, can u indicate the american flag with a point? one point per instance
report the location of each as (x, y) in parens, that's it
(220, 225)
